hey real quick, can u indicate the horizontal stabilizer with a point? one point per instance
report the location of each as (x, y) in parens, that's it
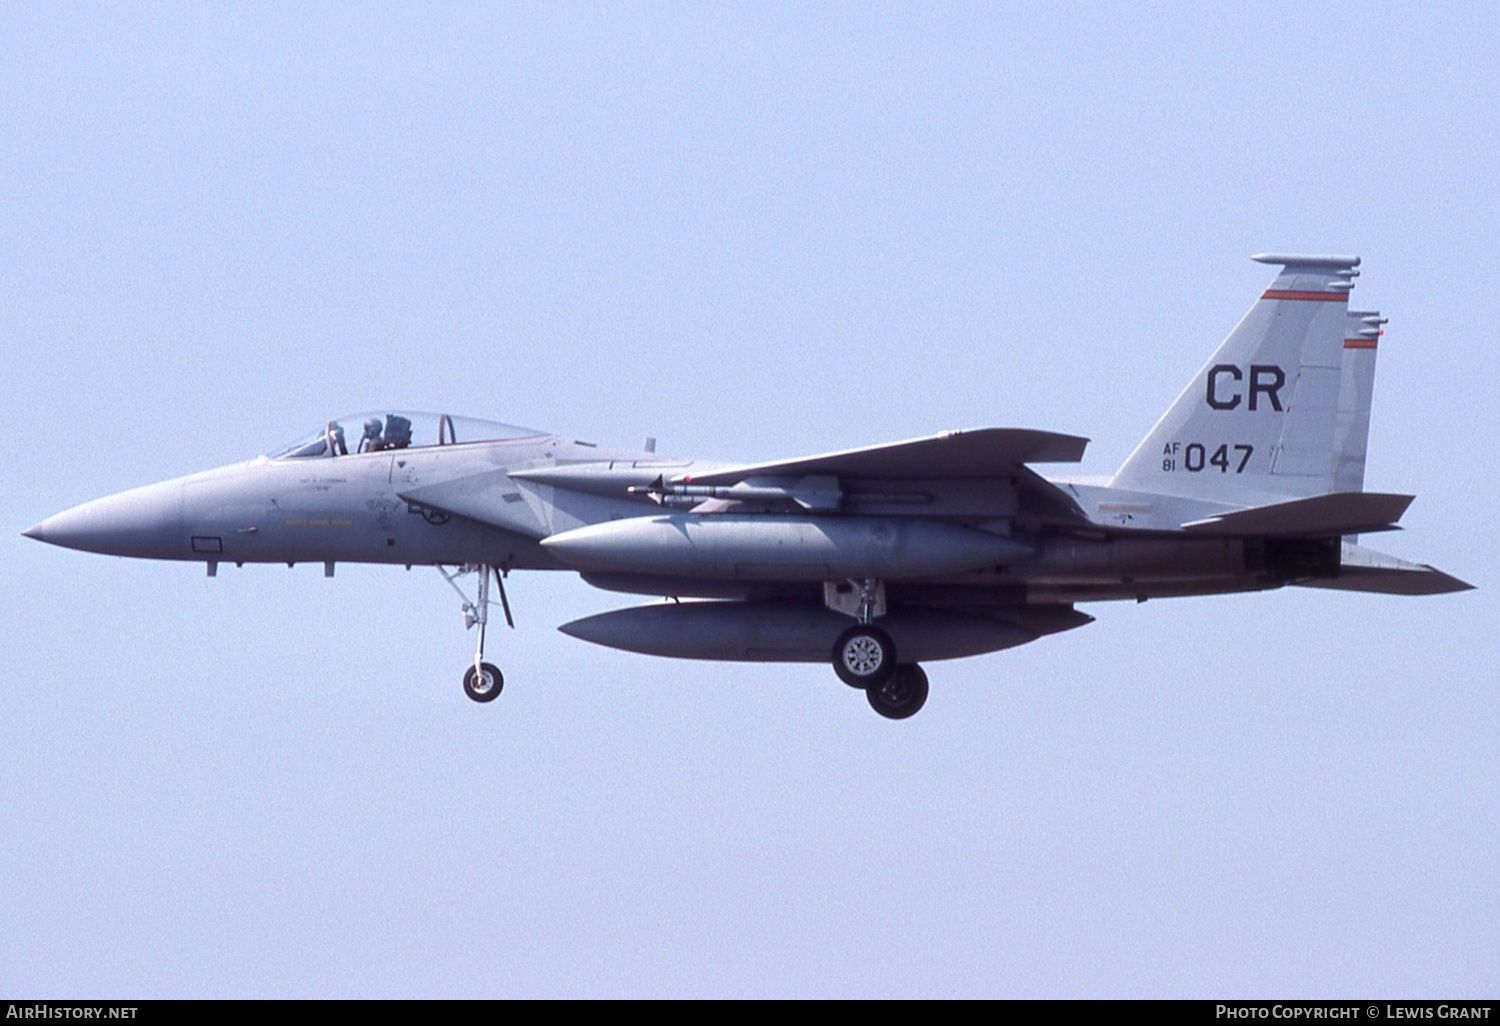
(1362, 569)
(1320, 516)
(984, 452)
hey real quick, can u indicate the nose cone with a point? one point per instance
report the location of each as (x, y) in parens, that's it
(146, 522)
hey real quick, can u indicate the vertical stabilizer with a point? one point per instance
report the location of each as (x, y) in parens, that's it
(1261, 419)
(1356, 389)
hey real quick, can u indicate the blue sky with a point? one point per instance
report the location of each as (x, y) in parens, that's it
(750, 231)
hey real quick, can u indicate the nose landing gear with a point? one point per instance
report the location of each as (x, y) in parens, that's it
(483, 681)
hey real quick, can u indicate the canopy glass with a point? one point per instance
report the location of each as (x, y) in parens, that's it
(376, 432)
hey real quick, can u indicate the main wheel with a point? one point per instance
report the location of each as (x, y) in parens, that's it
(864, 656)
(901, 695)
(486, 685)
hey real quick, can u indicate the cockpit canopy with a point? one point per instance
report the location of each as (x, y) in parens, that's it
(376, 432)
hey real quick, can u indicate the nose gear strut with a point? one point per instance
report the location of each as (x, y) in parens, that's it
(483, 681)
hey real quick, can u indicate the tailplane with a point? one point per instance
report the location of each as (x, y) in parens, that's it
(1266, 417)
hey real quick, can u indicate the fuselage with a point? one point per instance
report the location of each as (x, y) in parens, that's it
(523, 503)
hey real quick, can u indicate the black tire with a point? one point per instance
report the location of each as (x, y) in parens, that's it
(902, 695)
(864, 656)
(486, 688)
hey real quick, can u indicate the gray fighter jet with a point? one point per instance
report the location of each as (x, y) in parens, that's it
(875, 559)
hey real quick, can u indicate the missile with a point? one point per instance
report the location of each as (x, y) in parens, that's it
(782, 547)
(784, 632)
(817, 492)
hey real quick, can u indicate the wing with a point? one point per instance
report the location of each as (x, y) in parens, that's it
(978, 453)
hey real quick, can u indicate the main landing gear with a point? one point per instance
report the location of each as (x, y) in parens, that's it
(483, 681)
(901, 694)
(864, 656)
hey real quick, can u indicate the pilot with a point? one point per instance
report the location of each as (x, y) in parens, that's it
(336, 438)
(371, 441)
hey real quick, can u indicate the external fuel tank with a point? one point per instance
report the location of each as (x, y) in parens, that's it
(782, 548)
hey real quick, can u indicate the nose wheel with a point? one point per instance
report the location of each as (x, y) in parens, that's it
(483, 681)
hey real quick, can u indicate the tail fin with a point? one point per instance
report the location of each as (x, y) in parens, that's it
(1356, 388)
(1259, 420)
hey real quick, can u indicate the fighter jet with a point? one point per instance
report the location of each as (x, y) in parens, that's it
(877, 559)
